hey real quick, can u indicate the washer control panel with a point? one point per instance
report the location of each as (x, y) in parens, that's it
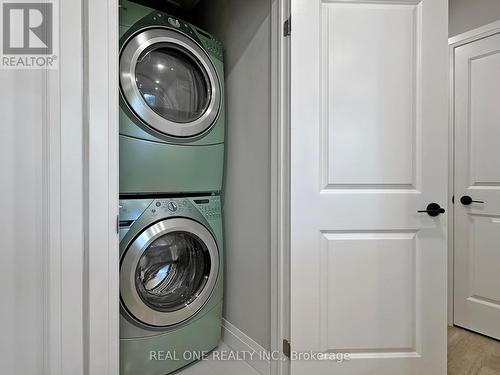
(132, 209)
(209, 206)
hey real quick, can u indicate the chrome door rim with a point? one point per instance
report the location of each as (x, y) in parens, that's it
(129, 295)
(130, 54)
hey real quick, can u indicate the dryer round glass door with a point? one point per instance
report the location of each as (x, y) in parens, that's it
(169, 82)
(169, 272)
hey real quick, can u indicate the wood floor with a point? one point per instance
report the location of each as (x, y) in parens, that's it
(472, 354)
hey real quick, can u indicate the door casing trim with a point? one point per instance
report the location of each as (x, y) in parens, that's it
(101, 107)
(280, 183)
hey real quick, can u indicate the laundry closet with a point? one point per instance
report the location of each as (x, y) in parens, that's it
(195, 165)
(292, 198)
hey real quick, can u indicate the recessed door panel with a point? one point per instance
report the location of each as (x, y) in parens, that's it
(377, 294)
(371, 94)
(483, 124)
(484, 258)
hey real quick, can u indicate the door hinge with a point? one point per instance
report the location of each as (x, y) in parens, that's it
(286, 348)
(287, 27)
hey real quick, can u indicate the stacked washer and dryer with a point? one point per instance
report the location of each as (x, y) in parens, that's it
(171, 172)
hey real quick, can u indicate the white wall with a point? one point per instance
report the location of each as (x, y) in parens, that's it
(244, 28)
(21, 196)
(469, 14)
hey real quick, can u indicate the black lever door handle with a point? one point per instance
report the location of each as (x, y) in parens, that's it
(466, 200)
(433, 209)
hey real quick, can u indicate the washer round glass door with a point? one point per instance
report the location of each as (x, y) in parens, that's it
(169, 82)
(168, 272)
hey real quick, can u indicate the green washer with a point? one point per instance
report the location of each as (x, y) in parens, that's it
(172, 119)
(171, 282)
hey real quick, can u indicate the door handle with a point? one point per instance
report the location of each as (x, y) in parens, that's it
(433, 209)
(466, 200)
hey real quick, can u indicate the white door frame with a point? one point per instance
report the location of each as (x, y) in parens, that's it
(101, 130)
(280, 183)
(81, 192)
(101, 121)
(454, 42)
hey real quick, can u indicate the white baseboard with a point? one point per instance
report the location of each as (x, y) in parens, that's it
(239, 341)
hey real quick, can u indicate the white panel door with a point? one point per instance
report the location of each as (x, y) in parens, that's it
(477, 178)
(369, 104)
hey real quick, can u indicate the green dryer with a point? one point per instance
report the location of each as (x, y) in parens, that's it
(172, 119)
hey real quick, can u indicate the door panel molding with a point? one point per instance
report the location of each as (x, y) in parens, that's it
(395, 285)
(344, 26)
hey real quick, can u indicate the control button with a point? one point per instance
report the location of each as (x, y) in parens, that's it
(158, 204)
(172, 206)
(174, 22)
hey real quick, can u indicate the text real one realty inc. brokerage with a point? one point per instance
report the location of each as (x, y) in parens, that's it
(245, 355)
